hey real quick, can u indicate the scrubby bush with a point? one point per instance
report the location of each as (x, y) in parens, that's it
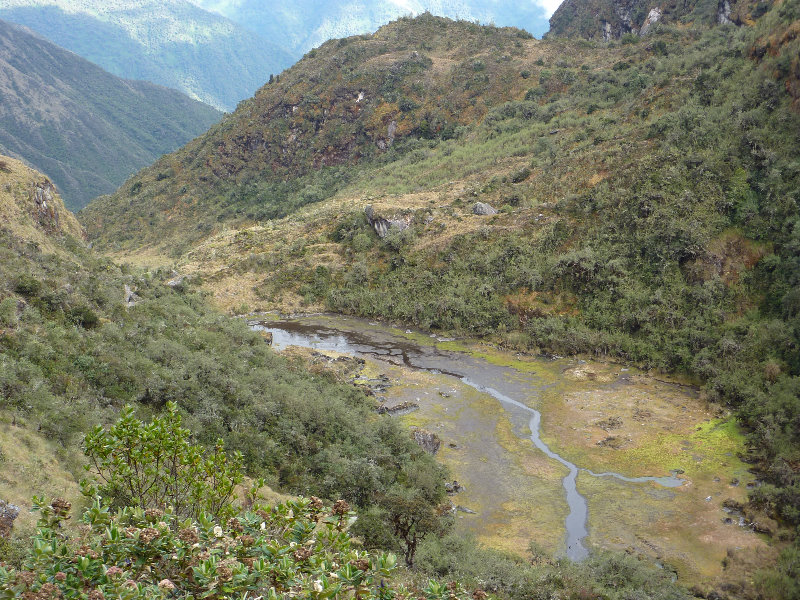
(299, 548)
(153, 466)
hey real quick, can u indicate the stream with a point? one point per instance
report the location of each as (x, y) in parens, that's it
(362, 338)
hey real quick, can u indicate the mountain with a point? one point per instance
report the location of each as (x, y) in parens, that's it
(87, 129)
(633, 201)
(172, 43)
(609, 19)
(359, 100)
(303, 25)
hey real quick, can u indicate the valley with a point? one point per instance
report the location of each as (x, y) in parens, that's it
(439, 303)
(475, 400)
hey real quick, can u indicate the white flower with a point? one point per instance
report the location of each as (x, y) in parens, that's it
(318, 586)
(263, 526)
(218, 531)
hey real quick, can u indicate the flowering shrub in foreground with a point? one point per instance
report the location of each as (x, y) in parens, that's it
(293, 550)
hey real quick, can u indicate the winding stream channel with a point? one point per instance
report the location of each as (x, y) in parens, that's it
(370, 340)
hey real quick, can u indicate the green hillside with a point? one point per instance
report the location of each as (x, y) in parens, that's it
(84, 127)
(607, 20)
(81, 338)
(358, 101)
(646, 193)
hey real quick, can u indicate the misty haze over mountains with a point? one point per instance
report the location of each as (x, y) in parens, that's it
(221, 51)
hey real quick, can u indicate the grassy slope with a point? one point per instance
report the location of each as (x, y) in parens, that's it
(585, 18)
(295, 141)
(84, 127)
(72, 353)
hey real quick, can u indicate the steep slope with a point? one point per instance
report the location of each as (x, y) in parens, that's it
(87, 129)
(172, 43)
(609, 19)
(301, 26)
(360, 100)
(31, 207)
(81, 337)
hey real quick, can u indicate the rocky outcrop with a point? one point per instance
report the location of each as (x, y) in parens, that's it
(483, 209)
(382, 225)
(724, 13)
(428, 441)
(653, 17)
(398, 409)
(609, 20)
(453, 488)
(391, 130)
(131, 297)
(177, 281)
(31, 206)
(44, 205)
(8, 514)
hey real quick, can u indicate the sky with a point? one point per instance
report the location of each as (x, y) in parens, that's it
(226, 6)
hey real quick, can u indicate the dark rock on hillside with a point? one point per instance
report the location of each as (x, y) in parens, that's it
(381, 225)
(483, 209)
(8, 514)
(43, 201)
(428, 441)
(453, 488)
(398, 409)
(608, 20)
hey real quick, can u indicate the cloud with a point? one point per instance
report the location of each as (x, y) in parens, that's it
(223, 7)
(549, 6)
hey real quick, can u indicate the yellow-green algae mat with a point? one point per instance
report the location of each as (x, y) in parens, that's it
(602, 417)
(607, 418)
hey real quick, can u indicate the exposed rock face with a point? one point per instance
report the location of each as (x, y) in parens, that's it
(611, 19)
(176, 281)
(381, 225)
(31, 206)
(724, 12)
(131, 297)
(652, 18)
(44, 205)
(453, 488)
(481, 208)
(8, 514)
(385, 143)
(398, 409)
(428, 441)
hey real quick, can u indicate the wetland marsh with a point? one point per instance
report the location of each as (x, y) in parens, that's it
(568, 454)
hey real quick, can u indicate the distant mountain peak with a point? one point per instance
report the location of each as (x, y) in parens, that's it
(85, 128)
(174, 43)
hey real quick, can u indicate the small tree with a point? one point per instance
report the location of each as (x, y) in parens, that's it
(412, 518)
(155, 466)
(415, 508)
